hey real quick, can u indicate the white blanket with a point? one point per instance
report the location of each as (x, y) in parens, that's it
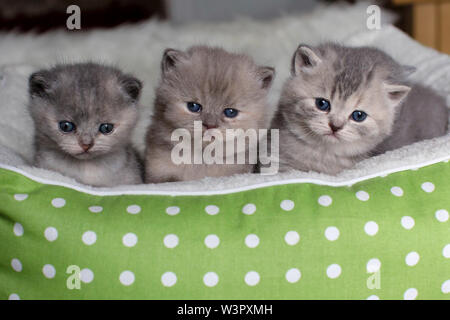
(138, 49)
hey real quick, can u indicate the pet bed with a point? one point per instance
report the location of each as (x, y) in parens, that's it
(378, 231)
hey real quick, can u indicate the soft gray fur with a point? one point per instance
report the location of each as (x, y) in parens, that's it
(424, 115)
(364, 79)
(88, 95)
(216, 79)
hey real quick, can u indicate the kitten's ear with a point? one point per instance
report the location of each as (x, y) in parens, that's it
(131, 86)
(266, 76)
(305, 58)
(39, 84)
(396, 93)
(170, 59)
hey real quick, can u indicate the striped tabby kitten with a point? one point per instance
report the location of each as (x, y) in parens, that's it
(344, 104)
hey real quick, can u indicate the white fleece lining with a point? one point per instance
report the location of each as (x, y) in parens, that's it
(221, 192)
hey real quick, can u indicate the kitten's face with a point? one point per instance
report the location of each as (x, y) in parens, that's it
(223, 90)
(85, 111)
(341, 102)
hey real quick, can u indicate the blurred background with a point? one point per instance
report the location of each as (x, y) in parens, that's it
(428, 21)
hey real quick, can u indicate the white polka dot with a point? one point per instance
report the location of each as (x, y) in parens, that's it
(252, 278)
(172, 211)
(362, 195)
(13, 296)
(20, 196)
(130, 239)
(169, 279)
(95, 209)
(334, 271)
(332, 233)
(49, 271)
(16, 265)
(58, 202)
(292, 238)
(293, 275)
(133, 209)
(210, 279)
(373, 297)
(89, 237)
(252, 240)
(412, 258)
(126, 278)
(407, 222)
(18, 229)
(442, 215)
(325, 200)
(397, 191)
(212, 241)
(51, 234)
(171, 241)
(445, 288)
(373, 265)
(212, 210)
(86, 275)
(287, 205)
(427, 187)
(371, 228)
(249, 208)
(446, 251)
(410, 294)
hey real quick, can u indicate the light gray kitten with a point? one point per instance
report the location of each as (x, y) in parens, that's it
(84, 115)
(221, 89)
(343, 104)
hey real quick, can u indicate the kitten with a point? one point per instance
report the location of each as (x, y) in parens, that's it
(221, 89)
(84, 115)
(344, 104)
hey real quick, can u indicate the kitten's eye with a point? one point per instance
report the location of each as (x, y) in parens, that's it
(106, 128)
(230, 112)
(66, 126)
(323, 104)
(194, 107)
(359, 116)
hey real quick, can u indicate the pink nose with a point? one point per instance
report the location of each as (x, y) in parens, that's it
(86, 147)
(333, 127)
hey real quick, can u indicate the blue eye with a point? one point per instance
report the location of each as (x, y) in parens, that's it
(66, 126)
(359, 116)
(194, 106)
(323, 104)
(230, 112)
(106, 128)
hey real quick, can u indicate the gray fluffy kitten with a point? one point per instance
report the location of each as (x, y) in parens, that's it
(343, 104)
(84, 115)
(223, 90)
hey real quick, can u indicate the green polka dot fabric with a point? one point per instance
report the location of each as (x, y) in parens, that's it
(383, 238)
